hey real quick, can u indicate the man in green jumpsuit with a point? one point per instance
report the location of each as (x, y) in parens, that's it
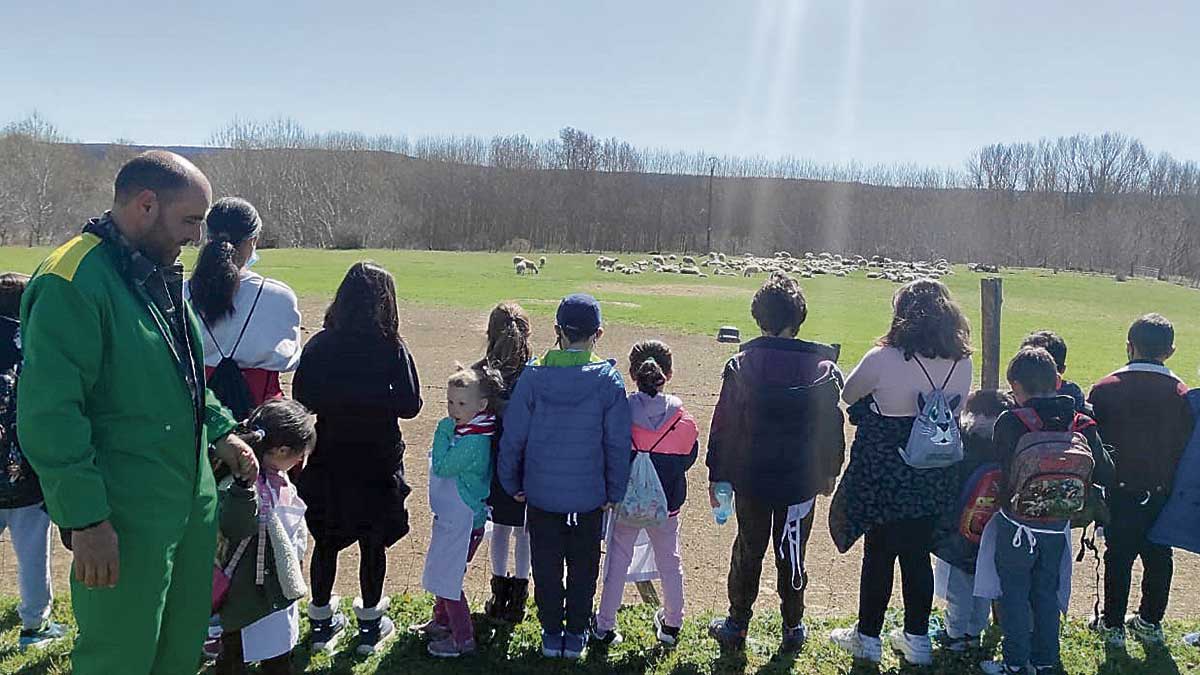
(115, 418)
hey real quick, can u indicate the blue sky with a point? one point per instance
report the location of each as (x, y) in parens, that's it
(913, 81)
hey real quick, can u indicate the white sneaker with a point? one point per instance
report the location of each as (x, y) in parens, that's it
(916, 649)
(858, 645)
(1113, 637)
(998, 668)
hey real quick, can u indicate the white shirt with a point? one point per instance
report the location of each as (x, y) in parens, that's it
(272, 339)
(895, 382)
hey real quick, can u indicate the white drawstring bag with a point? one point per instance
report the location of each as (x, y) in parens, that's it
(645, 503)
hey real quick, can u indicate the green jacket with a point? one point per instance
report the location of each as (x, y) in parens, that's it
(468, 461)
(115, 424)
(246, 603)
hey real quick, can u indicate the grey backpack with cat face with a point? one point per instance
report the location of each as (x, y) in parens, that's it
(935, 441)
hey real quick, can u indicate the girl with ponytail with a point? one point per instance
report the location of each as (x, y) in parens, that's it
(664, 429)
(508, 350)
(250, 322)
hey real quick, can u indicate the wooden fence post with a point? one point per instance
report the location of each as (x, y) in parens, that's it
(992, 294)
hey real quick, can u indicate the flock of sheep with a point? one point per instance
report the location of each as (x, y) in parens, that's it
(524, 265)
(806, 267)
(812, 264)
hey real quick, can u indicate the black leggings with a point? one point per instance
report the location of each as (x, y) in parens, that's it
(910, 541)
(372, 568)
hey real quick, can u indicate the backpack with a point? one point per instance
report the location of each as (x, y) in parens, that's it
(645, 503)
(935, 441)
(1050, 475)
(227, 381)
(979, 501)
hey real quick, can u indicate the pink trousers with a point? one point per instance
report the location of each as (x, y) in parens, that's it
(664, 539)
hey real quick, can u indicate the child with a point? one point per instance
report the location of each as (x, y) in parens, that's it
(565, 450)
(1028, 556)
(662, 428)
(954, 568)
(262, 526)
(893, 505)
(21, 508)
(460, 474)
(359, 378)
(1057, 347)
(508, 351)
(1142, 410)
(777, 436)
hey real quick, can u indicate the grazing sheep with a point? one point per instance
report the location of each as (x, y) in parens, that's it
(750, 270)
(522, 267)
(517, 259)
(542, 261)
(672, 257)
(689, 269)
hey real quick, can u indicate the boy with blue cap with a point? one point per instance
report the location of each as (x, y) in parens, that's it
(565, 451)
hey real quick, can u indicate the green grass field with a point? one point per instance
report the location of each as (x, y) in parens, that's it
(1091, 312)
(517, 650)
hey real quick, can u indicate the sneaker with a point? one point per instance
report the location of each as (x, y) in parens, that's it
(957, 645)
(1145, 631)
(1192, 639)
(668, 635)
(552, 645)
(999, 668)
(42, 635)
(430, 629)
(211, 651)
(373, 634)
(606, 638)
(728, 633)
(1113, 637)
(793, 639)
(574, 645)
(916, 649)
(858, 645)
(448, 648)
(328, 626)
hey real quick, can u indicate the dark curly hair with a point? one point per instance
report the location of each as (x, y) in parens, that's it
(1051, 342)
(366, 303)
(927, 322)
(779, 305)
(650, 365)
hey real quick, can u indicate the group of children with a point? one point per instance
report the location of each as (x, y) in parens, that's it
(543, 446)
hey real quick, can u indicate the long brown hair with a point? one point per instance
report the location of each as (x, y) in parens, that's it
(650, 365)
(366, 303)
(508, 348)
(927, 322)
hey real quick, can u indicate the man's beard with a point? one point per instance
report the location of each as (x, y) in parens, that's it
(156, 246)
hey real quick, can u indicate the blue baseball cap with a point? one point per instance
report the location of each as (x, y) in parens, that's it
(578, 314)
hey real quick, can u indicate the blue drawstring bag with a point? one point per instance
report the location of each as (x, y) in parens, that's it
(1178, 525)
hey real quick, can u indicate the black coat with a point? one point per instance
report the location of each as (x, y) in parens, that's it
(359, 387)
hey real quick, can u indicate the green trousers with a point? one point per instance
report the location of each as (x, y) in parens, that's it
(155, 620)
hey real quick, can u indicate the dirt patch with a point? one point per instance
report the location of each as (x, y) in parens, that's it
(440, 337)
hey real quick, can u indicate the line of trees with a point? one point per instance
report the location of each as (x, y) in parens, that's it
(1088, 202)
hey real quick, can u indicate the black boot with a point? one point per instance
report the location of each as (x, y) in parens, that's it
(497, 605)
(518, 594)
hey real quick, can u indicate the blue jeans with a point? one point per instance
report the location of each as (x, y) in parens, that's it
(30, 527)
(1029, 613)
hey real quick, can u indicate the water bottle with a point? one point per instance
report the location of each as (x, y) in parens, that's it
(724, 507)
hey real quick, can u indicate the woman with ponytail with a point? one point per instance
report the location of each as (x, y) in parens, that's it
(662, 428)
(251, 323)
(508, 351)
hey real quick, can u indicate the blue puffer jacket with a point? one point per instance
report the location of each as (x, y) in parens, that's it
(567, 434)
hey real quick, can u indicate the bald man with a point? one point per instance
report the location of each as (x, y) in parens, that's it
(116, 420)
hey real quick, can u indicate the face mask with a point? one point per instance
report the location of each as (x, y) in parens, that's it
(253, 259)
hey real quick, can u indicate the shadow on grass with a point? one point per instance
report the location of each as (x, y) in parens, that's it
(1158, 660)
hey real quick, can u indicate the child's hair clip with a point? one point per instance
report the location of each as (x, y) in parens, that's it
(257, 435)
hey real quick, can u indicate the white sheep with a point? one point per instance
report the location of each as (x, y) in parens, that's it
(750, 270)
(542, 261)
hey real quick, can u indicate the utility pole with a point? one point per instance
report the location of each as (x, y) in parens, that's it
(712, 170)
